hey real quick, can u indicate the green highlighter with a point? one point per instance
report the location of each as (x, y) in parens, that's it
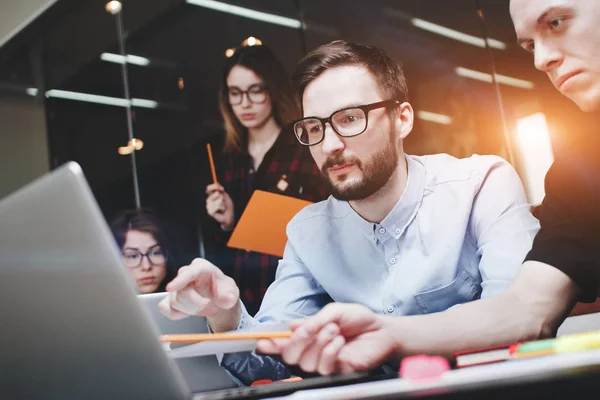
(536, 348)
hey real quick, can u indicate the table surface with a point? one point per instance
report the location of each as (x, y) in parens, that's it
(551, 374)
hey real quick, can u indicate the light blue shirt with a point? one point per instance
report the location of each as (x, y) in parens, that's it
(459, 232)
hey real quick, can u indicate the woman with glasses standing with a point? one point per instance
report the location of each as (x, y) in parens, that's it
(256, 103)
(145, 247)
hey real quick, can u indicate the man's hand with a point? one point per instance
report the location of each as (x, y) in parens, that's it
(202, 289)
(340, 338)
(220, 206)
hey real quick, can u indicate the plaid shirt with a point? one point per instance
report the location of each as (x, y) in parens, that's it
(288, 169)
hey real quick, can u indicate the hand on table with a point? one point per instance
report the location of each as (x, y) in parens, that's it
(341, 338)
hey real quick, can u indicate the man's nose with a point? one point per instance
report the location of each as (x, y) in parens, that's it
(332, 142)
(546, 56)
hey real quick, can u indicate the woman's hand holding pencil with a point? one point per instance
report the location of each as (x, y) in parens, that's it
(218, 203)
(219, 206)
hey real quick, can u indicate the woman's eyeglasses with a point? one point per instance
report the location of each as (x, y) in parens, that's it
(155, 255)
(257, 94)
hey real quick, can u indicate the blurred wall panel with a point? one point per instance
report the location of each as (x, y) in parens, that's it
(23, 143)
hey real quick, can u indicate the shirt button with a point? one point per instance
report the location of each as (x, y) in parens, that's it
(390, 309)
(397, 231)
(393, 260)
(381, 230)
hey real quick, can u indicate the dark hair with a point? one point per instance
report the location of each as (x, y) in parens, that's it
(262, 62)
(147, 221)
(386, 70)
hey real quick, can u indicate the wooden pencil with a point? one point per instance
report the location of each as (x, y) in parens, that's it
(212, 163)
(202, 337)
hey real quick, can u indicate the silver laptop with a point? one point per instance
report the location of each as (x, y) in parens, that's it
(165, 325)
(72, 326)
(200, 373)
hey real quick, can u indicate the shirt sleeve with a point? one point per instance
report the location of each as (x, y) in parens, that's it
(502, 226)
(294, 294)
(570, 223)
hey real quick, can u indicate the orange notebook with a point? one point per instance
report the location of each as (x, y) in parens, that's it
(261, 227)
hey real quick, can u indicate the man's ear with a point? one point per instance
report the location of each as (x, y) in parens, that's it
(404, 119)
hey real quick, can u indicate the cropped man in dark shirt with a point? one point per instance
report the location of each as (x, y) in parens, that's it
(563, 265)
(563, 37)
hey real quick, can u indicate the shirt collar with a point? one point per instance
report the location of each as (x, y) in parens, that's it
(396, 222)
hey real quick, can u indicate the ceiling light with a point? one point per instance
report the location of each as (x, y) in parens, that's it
(113, 7)
(456, 35)
(434, 117)
(485, 77)
(229, 52)
(129, 59)
(247, 13)
(144, 103)
(137, 144)
(125, 150)
(89, 98)
(252, 41)
(133, 145)
(93, 98)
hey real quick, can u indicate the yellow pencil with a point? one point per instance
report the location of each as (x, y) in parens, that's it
(202, 337)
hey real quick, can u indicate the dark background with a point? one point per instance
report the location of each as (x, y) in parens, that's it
(61, 50)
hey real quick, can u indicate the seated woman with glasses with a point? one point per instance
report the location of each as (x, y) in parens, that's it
(256, 103)
(145, 247)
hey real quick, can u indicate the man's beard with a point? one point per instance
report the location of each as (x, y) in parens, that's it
(376, 173)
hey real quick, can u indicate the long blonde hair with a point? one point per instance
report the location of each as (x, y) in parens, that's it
(262, 62)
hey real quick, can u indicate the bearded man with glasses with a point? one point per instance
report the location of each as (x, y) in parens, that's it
(401, 234)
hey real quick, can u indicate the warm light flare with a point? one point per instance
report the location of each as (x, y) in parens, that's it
(125, 150)
(113, 7)
(137, 144)
(536, 154)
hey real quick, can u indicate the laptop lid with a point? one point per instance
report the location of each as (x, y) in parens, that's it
(72, 327)
(201, 374)
(165, 325)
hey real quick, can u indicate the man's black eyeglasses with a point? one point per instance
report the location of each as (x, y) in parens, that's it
(347, 122)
